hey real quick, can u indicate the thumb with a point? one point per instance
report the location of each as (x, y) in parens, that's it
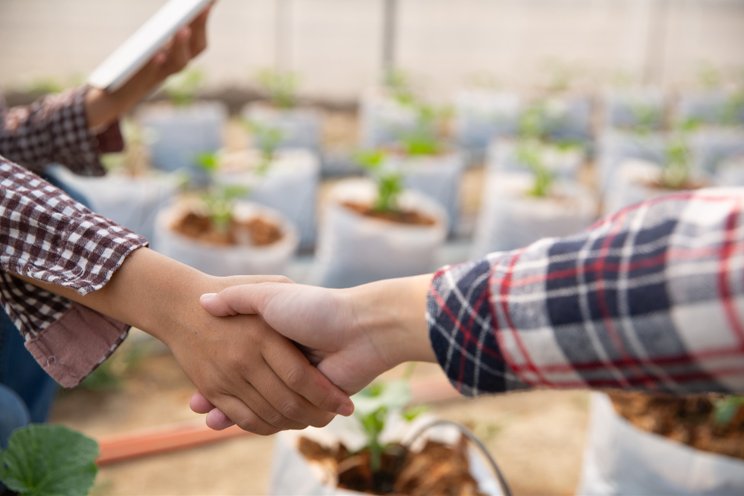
(245, 299)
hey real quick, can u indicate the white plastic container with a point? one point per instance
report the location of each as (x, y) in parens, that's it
(511, 219)
(731, 172)
(354, 249)
(300, 127)
(293, 474)
(623, 109)
(382, 120)
(437, 177)
(565, 164)
(289, 186)
(482, 116)
(180, 134)
(622, 460)
(713, 146)
(226, 260)
(616, 147)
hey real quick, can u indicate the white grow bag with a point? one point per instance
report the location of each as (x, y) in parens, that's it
(565, 164)
(621, 107)
(181, 134)
(382, 120)
(299, 127)
(289, 186)
(227, 260)
(482, 116)
(622, 460)
(354, 249)
(510, 219)
(293, 474)
(616, 147)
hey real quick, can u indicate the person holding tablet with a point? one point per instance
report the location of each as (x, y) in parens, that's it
(79, 258)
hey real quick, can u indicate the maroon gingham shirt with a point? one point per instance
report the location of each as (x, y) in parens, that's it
(47, 236)
(650, 298)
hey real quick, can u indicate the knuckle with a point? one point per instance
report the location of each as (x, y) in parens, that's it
(292, 409)
(282, 279)
(295, 378)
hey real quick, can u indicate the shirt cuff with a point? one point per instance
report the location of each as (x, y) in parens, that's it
(463, 331)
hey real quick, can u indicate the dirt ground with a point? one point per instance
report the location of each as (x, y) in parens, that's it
(537, 438)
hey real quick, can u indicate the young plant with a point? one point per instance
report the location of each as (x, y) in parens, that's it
(280, 87)
(726, 410)
(389, 182)
(48, 459)
(733, 109)
(398, 84)
(529, 153)
(267, 138)
(373, 407)
(219, 200)
(422, 140)
(181, 88)
(677, 168)
(646, 118)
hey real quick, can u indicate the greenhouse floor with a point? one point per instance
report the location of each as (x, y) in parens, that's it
(537, 437)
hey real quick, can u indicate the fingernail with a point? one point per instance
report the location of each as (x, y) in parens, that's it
(346, 409)
(207, 297)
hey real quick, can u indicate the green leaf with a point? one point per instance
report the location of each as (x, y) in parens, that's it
(725, 409)
(49, 460)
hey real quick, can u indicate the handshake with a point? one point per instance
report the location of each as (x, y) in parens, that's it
(299, 351)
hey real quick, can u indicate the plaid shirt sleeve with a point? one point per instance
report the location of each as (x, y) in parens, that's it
(47, 236)
(55, 129)
(650, 298)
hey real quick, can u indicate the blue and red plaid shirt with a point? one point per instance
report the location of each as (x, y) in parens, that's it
(650, 298)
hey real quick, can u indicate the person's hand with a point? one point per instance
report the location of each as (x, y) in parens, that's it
(352, 335)
(257, 377)
(102, 108)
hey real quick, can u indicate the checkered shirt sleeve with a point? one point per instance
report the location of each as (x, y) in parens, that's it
(54, 129)
(650, 298)
(47, 236)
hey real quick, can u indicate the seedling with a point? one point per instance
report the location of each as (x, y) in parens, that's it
(726, 410)
(280, 87)
(733, 109)
(219, 200)
(398, 84)
(181, 88)
(267, 138)
(646, 118)
(529, 153)
(49, 459)
(374, 405)
(677, 168)
(389, 182)
(422, 140)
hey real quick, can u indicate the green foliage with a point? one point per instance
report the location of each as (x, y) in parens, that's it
(646, 118)
(374, 405)
(529, 153)
(43, 460)
(181, 88)
(733, 109)
(709, 76)
(219, 200)
(280, 87)
(45, 86)
(389, 182)
(726, 409)
(534, 122)
(677, 166)
(399, 86)
(267, 138)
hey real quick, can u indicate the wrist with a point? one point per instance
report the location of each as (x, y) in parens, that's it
(392, 315)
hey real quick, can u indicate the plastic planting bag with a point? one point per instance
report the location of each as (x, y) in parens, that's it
(565, 164)
(299, 127)
(620, 460)
(482, 116)
(511, 219)
(227, 260)
(292, 473)
(355, 249)
(616, 147)
(632, 108)
(382, 120)
(181, 134)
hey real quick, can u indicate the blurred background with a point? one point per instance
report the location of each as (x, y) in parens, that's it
(484, 111)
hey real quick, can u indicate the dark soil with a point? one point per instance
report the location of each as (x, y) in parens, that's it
(256, 231)
(688, 420)
(410, 217)
(438, 469)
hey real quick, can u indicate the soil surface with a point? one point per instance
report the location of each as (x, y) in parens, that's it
(410, 217)
(537, 438)
(256, 231)
(689, 420)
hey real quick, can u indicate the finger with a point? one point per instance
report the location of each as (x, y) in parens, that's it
(217, 420)
(234, 410)
(198, 42)
(179, 53)
(200, 404)
(212, 303)
(219, 307)
(287, 402)
(244, 299)
(300, 376)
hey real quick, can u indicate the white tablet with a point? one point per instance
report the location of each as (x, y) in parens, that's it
(139, 48)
